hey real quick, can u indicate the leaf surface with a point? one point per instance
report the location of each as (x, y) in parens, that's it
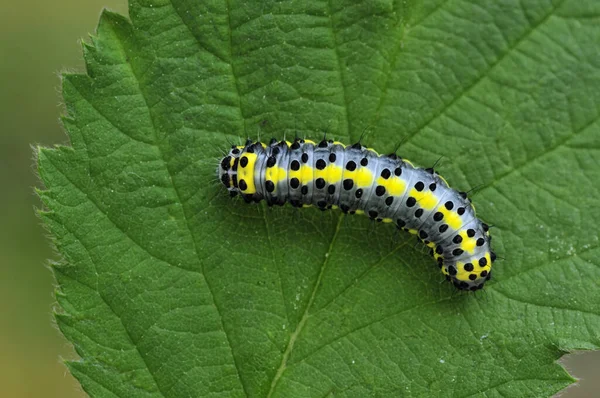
(170, 289)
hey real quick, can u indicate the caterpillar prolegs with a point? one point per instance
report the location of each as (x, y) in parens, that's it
(358, 180)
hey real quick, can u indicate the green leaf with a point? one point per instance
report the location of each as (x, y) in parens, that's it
(168, 288)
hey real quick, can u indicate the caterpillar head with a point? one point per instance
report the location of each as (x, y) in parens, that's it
(227, 169)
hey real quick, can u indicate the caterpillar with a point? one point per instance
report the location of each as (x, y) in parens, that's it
(358, 180)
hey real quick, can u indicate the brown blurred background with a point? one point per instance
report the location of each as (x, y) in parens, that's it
(39, 39)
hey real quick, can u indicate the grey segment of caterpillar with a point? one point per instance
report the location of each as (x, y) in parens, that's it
(357, 179)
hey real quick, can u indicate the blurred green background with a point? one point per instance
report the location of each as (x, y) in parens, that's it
(34, 48)
(38, 39)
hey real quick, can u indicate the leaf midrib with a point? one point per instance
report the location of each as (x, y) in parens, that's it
(305, 314)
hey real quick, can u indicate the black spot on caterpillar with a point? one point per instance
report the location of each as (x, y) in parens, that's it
(356, 179)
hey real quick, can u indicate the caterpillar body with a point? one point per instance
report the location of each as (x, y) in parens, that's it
(358, 180)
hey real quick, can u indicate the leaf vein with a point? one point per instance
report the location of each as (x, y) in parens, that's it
(189, 28)
(109, 306)
(558, 145)
(362, 276)
(483, 75)
(340, 69)
(546, 263)
(373, 322)
(539, 305)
